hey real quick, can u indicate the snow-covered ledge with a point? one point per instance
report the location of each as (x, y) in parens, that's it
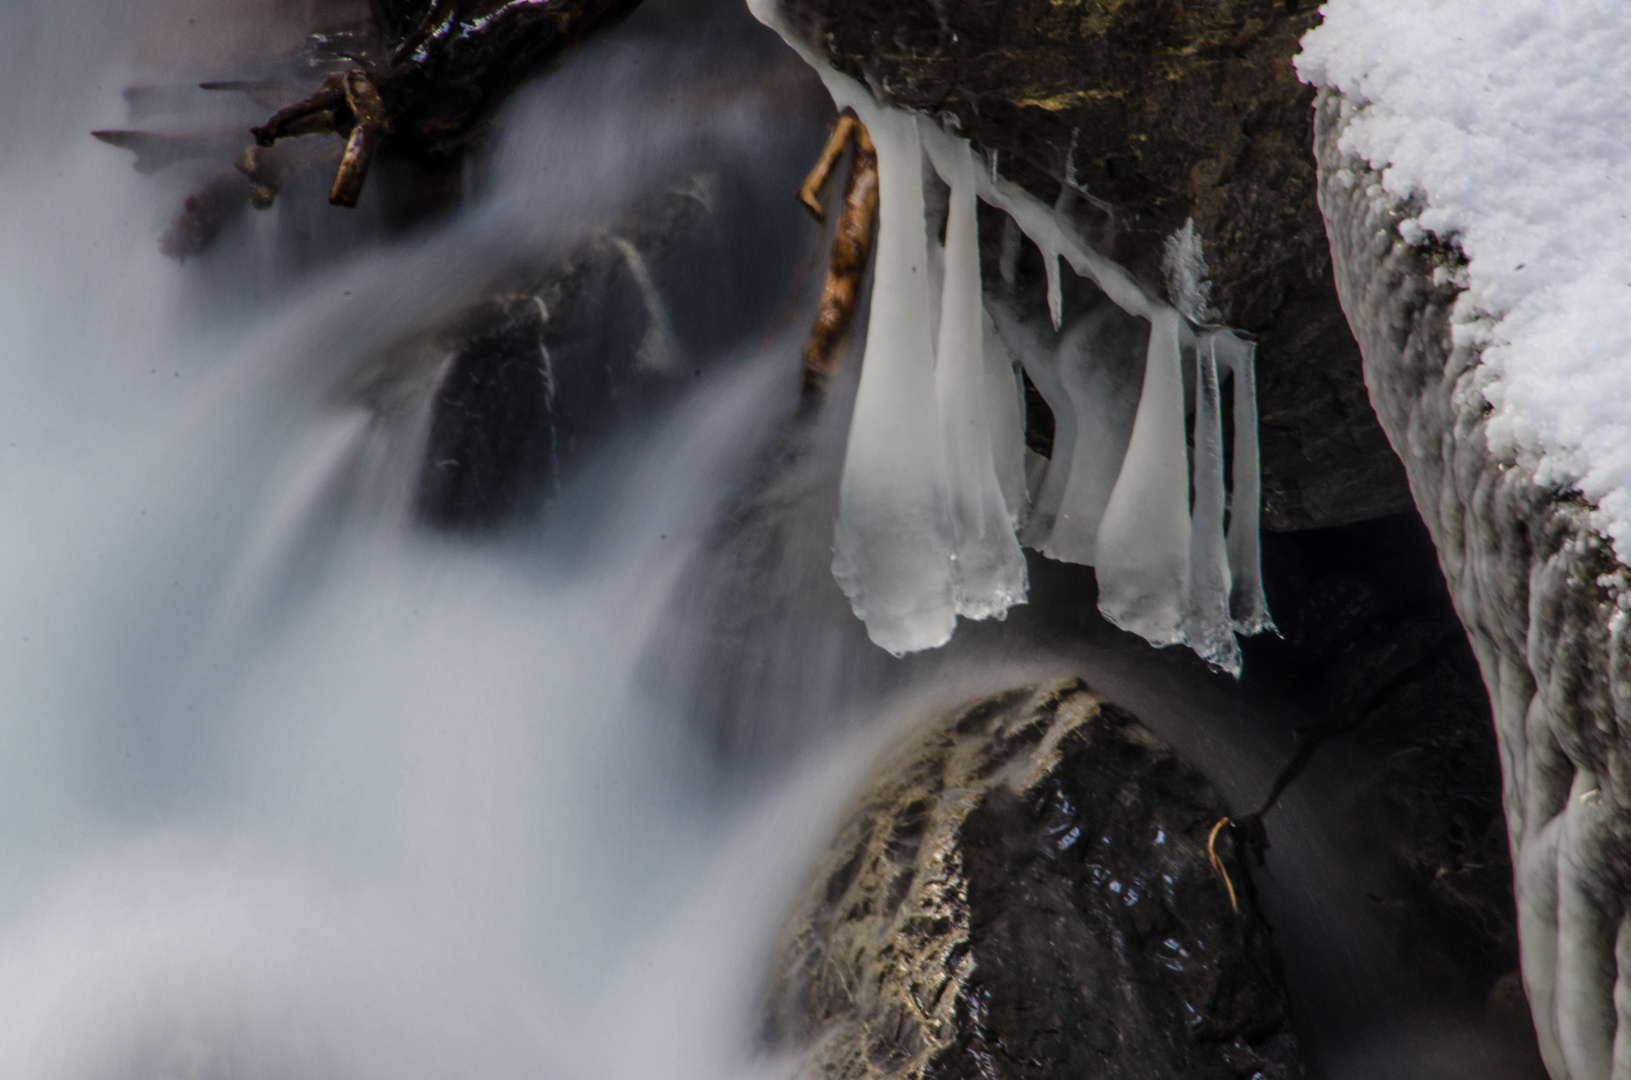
(1537, 588)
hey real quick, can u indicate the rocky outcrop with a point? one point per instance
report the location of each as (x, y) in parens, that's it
(1158, 113)
(1025, 890)
(1531, 584)
(537, 348)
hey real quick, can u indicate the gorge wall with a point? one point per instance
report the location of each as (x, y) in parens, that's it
(1530, 582)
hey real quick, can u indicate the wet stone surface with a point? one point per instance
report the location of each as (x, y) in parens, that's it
(1025, 891)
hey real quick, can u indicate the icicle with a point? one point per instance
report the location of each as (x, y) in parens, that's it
(893, 544)
(1005, 400)
(1008, 259)
(1143, 545)
(1041, 361)
(1037, 221)
(1103, 399)
(1247, 604)
(1207, 627)
(1056, 300)
(990, 565)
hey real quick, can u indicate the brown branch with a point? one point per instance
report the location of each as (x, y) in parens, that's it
(309, 116)
(1217, 863)
(436, 88)
(852, 248)
(815, 185)
(436, 20)
(371, 125)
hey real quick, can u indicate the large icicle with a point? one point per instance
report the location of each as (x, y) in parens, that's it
(1207, 626)
(1104, 407)
(1006, 402)
(1248, 605)
(990, 576)
(893, 543)
(1141, 590)
(1143, 548)
(1042, 363)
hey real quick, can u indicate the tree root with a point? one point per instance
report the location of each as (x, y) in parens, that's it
(439, 82)
(852, 244)
(424, 85)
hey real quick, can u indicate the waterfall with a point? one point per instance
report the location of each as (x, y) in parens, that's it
(292, 784)
(299, 780)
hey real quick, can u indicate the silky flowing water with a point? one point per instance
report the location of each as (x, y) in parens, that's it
(294, 786)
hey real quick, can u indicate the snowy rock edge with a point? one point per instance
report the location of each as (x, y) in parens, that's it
(1534, 581)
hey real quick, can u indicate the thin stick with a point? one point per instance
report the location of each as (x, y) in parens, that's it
(852, 248)
(816, 183)
(371, 126)
(1217, 863)
(309, 116)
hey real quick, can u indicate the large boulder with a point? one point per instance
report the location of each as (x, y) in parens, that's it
(1160, 112)
(1026, 889)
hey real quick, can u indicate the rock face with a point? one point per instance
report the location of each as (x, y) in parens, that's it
(1527, 577)
(1371, 651)
(1025, 891)
(545, 364)
(1159, 112)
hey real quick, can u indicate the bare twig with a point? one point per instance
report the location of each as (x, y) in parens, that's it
(370, 126)
(852, 247)
(155, 151)
(309, 116)
(1217, 863)
(815, 185)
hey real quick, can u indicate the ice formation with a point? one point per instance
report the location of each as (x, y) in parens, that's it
(895, 544)
(1505, 125)
(934, 504)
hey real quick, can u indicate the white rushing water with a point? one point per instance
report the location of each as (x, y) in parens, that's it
(291, 787)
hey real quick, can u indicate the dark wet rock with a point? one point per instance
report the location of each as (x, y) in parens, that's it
(1370, 645)
(492, 424)
(1024, 890)
(1160, 111)
(540, 370)
(625, 320)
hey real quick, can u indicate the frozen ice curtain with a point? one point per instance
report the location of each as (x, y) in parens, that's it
(934, 503)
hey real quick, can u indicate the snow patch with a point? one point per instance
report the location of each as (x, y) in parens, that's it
(1507, 123)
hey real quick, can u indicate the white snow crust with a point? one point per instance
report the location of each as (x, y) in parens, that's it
(1509, 124)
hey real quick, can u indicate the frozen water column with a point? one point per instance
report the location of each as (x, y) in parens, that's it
(1142, 553)
(990, 571)
(894, 542)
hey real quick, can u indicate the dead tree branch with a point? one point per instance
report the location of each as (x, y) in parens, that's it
(436, 85)
(852, 245)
